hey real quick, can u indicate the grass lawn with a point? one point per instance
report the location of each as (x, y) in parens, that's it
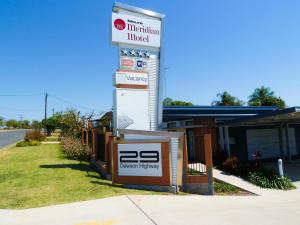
(41, 175)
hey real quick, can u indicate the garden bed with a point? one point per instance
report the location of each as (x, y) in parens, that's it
(222, 188)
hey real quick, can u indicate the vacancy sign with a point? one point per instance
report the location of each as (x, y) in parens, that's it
(131, 77)
(135, 30)
(140, 159)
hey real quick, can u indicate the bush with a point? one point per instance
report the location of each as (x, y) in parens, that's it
(34, 135)
(231, 165)
(268, 179)
(222, 187)
(28, 143)
(22, 144)
(34, 143)
(74, 149)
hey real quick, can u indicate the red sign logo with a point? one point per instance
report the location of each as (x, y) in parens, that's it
(127, 62)
(119, 24)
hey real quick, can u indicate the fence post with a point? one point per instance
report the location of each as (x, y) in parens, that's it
(280, 167)
(185, 161)
(208, 162)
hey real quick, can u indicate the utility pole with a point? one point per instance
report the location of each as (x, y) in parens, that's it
(52, 111)
(46, 99)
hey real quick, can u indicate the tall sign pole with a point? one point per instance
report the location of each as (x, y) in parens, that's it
(138, 93)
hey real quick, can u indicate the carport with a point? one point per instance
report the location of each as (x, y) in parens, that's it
(281, 127)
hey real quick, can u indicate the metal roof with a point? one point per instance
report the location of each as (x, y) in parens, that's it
(219, 112)
(288, 115)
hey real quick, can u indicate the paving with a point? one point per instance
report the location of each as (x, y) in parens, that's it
(165, 210)
(11, 137)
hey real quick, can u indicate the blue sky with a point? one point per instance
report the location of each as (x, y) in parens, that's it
(63, 47)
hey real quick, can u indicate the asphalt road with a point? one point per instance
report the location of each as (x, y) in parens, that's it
(10, 137)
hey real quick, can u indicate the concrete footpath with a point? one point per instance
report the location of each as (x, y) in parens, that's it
(165, 209)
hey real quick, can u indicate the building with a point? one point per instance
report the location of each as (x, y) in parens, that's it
(240, 131)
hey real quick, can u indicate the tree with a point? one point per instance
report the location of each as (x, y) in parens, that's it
(12, 123)
(167, 101)
(35, 124)
(51, 124)
(1, 121)
(263, 96)
(25, 124)
(70, 122)
(225, 99)
(170, 102)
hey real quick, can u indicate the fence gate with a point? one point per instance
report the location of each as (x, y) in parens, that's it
(196, 154)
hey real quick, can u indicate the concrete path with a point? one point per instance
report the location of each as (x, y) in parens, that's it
(243, 184)
(11, 137)
(165, 210)
(50, 142)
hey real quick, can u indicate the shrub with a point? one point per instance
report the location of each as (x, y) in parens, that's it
(28, 143)
(74, 149)
(34, 135)
(34, 143)
(222, 187)
(268, 179)
(22, 144)
(231, 165)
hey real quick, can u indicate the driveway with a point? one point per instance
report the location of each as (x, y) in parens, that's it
(10, 137)
(166, 209)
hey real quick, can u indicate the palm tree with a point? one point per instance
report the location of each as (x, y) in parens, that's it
(225, 99)
(260, 95)
(263, 96)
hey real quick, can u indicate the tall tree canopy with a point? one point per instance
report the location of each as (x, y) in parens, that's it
(170, 102)
(225, 99)
(263, 96)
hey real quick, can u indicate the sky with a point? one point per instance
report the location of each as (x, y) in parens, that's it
(62, 47)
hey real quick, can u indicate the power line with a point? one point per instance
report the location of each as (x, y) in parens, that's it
(20, 95)
(18, 109)
(71, 103)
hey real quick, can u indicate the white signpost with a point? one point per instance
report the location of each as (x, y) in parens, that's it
(137, 109)
(142, 159)
(138, 34)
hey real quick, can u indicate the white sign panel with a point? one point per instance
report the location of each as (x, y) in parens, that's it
(135, 30)
(132, 109)
(131, 77)
(140, 160)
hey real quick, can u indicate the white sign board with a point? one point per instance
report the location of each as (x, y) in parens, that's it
(131, 77)
(142, 159)
(132, 109)
(128, 29)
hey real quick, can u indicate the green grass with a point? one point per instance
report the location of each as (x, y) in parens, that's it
(225, 188)
(41, 175)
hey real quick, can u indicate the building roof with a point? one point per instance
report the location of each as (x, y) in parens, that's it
(221, 113)
(287, 115)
